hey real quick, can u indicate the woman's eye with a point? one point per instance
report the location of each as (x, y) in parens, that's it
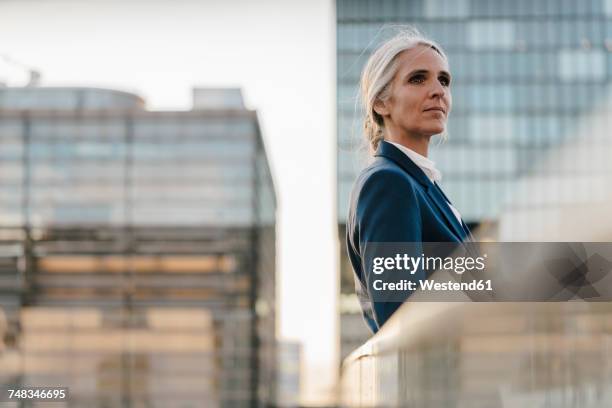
(444, 81)
(417, 79)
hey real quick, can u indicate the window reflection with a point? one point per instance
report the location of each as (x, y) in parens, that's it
(582, 65)
(492, 34)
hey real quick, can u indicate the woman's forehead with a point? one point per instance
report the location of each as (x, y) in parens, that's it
(422, 57)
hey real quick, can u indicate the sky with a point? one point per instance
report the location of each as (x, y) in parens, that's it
(281, 53)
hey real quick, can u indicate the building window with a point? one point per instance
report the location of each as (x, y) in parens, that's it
(582, 65)
(491, 34)
(491, 98)
(446, 8)
(608, 7)
(492, 129)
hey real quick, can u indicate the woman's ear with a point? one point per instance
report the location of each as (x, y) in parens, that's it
(381, 108)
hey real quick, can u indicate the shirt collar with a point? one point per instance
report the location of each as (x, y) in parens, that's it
(428, 166)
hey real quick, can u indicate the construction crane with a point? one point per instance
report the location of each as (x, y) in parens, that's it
(34, 74)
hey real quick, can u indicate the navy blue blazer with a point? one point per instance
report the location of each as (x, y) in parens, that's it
(394, 201)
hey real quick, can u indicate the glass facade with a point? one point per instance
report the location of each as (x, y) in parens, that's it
(526, 78)
(137, 251)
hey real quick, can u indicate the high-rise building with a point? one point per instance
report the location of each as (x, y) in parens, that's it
(137, 249)
(526, 77)
(289, 374)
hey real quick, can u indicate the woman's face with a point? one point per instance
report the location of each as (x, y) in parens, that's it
(419, 99)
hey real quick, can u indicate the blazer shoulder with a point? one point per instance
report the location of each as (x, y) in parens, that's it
(381, 182)
(384, 171)
(384, 207)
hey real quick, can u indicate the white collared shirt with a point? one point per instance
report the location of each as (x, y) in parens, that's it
(428, 167)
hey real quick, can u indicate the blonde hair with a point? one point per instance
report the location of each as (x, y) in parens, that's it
(378, 73)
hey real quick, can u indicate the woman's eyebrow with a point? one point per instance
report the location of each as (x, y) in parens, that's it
(424, 71)
(417, 71)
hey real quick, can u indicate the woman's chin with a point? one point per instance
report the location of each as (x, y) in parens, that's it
(435, 130)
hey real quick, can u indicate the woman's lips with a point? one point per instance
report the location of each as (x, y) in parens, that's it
(440, 110)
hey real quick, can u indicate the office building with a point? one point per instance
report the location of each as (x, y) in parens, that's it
(289, 378)
(526, 77)
(137, 249)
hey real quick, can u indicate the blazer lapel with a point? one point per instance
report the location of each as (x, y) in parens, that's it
(393, 153)
(466, 230)
(436, 195)
(468, 233)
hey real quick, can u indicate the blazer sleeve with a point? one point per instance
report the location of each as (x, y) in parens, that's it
(387, 212)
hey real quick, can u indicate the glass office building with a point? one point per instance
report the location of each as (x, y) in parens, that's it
(526, 77)
(137, 249)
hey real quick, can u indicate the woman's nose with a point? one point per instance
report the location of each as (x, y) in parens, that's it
(436, 89)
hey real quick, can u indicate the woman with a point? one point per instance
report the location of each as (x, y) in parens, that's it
(405, 90)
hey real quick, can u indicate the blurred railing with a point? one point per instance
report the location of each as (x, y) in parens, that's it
(485, 355)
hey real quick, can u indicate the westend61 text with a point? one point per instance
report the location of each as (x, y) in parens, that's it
(429, 263)
(405, 284)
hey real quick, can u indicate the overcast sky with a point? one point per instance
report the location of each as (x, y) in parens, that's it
(280, 52)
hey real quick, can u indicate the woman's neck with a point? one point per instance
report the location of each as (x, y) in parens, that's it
(419, 144)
